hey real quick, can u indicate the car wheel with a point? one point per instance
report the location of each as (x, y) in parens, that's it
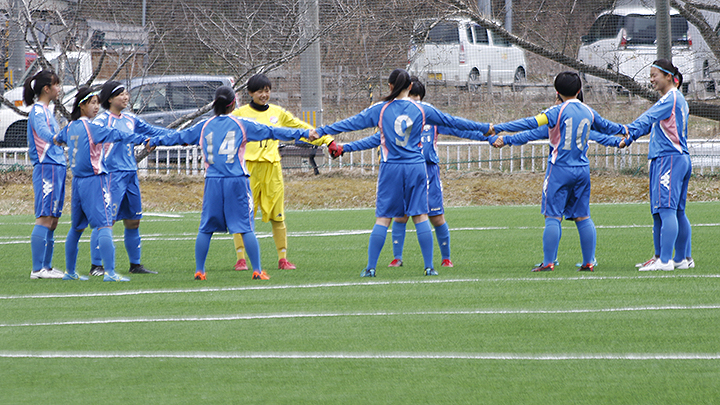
(474, 80)
(16, 135)
(520, 79)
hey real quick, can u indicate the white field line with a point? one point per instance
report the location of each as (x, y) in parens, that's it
(351, 284)
(359, 356)
(25, 239)
(250, 317)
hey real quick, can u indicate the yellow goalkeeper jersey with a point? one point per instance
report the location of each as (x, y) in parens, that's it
(267, 150)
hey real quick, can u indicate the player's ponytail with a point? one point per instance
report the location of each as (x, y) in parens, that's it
(668, 68)
(400, 80)
(34, 85)
(224, 99)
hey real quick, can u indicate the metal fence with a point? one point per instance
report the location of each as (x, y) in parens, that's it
(454, 155)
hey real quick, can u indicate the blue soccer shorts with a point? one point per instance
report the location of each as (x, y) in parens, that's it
(91, 202)
(125, 191)
(227, 205)
(566, 191)
(669, 178)
(49, 187)
(402, 189)
(435, 190)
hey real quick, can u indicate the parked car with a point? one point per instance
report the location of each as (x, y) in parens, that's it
(623, 39)
(459, 52)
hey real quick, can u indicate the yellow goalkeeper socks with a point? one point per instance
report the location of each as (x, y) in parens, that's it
(239, 245)
(280, 236)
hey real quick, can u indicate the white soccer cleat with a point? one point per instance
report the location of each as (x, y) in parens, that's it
(659, 265)
(647, 263)
(44, 273)
(685, 264)
(57, 272)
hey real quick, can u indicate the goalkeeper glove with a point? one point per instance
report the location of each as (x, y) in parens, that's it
(335, 150)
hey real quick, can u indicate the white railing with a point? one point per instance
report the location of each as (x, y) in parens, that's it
(454, 155)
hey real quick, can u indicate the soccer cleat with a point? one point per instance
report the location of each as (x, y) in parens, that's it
(587, 267)
(74, 276)
(241, 265)
(685, 264)
(659, 265)
(395, 263)
(368, 273)
(260, 275)
(549, 267)
(199, 275)
(284, 264)
(140, 269)
(649, 262)
(430, 272)
(96, 270)
(555, 263)
(43, 273)
(58, 273)
(114, 277)
(447, 263)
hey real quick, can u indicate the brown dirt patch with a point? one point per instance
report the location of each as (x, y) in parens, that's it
(356, 189)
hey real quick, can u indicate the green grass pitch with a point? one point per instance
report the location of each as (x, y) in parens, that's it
(486, 331)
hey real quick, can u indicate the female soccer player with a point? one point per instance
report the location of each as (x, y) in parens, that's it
(49, 169)
(227, 199)
(436, 210)
(91, 200)
(263, 163)
(402, 181)
(566, 190)
(670, 168)
(120, 161)
(543, 132)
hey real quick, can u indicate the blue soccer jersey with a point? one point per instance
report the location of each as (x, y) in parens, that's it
(569, 126)
(120, 156)
(667, 123)
(401, 123)
(223, 138)
(85, 141)
(42, 127)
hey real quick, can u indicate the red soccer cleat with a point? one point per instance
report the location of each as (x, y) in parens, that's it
(200, 276)
(541, 267)
(241, 265)
(447, 263)
(284, 264)
(395, 263)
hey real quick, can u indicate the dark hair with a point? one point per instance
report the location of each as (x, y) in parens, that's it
(224, 98)
(417, 89)
(109, 90)
(34, 85)
(667, 66)
(568, 84)
(258, 82)
(81, 98)
(400, 79)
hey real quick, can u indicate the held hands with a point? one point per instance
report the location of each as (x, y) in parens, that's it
(499, 143)
(491, 131)
(313, 135)
(335, 150)
(148, 147)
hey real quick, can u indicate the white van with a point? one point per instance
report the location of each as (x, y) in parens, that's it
(623, 39)
(459, 52)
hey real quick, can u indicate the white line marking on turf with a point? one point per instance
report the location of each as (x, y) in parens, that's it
(350, 284)
(361, 356)
(250, 317)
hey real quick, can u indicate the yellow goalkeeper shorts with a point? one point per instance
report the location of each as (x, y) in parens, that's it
(268, 189)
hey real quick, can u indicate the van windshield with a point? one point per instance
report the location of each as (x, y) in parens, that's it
(443, 33)
(641, 29)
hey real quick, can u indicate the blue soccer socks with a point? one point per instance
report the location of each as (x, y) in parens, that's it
(133, 245)
(425, 238)
(377, 241)
(588, 239)
(252, 248)
(551, 240)
(38, 240)
(398, 238)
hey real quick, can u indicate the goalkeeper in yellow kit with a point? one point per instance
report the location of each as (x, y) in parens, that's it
(263, 163)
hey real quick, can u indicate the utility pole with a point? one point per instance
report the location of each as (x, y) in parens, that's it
(662, 29)
(310, 73)
(508, 15)
(16, 46)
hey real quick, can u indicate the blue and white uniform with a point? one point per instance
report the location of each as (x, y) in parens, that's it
(670, 167)
(227, 199)
(120, 161)
(48, 159)
(402, 182)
